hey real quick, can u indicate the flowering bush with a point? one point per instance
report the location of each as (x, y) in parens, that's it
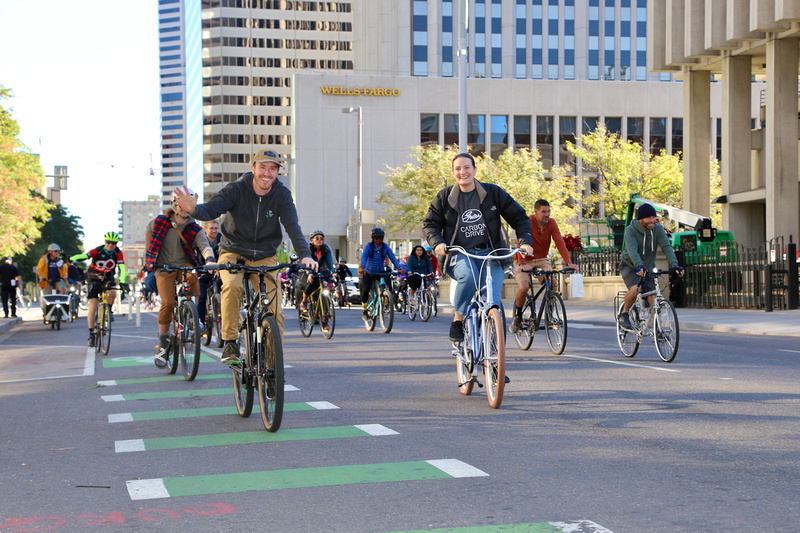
(573, 243)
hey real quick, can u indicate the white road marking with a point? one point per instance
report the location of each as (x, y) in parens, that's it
(456, 468)
(376, 430)
(622, 363)
(147, 489)
(133, 445)
(120, 417)
(322, 405)
(113, 398)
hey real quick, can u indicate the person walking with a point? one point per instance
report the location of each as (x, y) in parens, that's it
(11, 280)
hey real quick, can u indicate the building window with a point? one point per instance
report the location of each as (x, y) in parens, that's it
(614, 125)
(589, 124)
(658, 135)
(420, 46)
(451, 130)
(544, 140)
(522, 132)
(636, 130)
(567, 128)
(429, 130)
(447, 38)
(677, 135)
(476, 134)
(499, 133)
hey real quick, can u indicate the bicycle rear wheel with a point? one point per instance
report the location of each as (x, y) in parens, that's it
(465, 364)
(208, 326)
(189, 340)
(105, 328)
(424, 305)
(494, 358)
(627, 340)
(270, 375)
(242, 388)
(524, 335)
(216, 312)
(666, 331)
(555, 322)
(387, 310)
(327, 316)
(411, 308)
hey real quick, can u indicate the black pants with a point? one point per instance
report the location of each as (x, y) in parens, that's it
(10, 295)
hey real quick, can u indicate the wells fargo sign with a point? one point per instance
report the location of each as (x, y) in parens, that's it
(360, 91)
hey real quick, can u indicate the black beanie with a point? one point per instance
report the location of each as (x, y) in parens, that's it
(645, 210)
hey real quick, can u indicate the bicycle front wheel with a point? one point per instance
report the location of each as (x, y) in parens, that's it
(270, 375)
(666, 331)
(494, 358)
(306, 319)
(105, 328)
(425, 305)
(411, 307)
(387, 311)
(628, 340)
(189, 340)
(525, 332)
(465, 364)
(555, 322)
(216, 312)
(242, 388)
(327, 316)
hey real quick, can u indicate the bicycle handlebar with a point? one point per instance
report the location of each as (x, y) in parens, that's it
(236, 267)
(491, 256)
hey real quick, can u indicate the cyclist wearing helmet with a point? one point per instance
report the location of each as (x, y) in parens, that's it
(342, 273)
(105, 260)
(52, 270)
(373, 261)
(321, 253)
(257, 205)
(173, 239)
(434, 261)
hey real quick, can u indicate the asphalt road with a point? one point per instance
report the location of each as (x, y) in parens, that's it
(376, 436)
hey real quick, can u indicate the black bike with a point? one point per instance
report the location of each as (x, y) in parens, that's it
(184, 342)
(213, 325)
(260, 347)
(551, 309)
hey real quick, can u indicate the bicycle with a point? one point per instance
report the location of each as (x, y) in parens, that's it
(664, 322)
(320, 308)
(484, 338)
(184, 341)
(260, 347)
(551, 309)
(287, 289)
(399, 297)
(74, 302)
(341, 295)
(421, 301)
(213, 325)
(380, 303)
(23, 302)
(102, 324)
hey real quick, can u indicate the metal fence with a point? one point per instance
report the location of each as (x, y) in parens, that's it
(725, 275)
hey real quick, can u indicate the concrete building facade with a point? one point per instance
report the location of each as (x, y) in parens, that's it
(736, 42)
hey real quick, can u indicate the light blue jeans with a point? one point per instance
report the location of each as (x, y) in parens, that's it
(466, 271)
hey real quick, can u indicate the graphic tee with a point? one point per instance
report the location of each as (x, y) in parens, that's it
(471, 231)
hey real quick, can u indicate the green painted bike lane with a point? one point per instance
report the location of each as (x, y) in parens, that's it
(145, 489)
(209, 411)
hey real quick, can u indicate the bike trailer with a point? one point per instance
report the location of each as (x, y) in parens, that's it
(52, 303)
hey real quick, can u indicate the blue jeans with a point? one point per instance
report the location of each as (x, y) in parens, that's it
(465, 271)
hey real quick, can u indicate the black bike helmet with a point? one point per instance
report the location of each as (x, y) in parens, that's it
(315, 233)
(377, 232)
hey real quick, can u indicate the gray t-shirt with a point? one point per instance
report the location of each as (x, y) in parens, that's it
(471, 231)
(172, 253)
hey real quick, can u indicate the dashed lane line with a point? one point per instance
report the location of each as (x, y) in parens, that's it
(209, 411)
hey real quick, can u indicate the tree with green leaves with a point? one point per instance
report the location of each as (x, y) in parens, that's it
(22, 211)
(63, 229)
(411, 187)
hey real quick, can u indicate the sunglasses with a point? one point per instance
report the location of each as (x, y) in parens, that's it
(111, 242)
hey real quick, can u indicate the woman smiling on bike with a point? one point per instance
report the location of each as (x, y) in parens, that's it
(418, 262)
(468, 214)
(321, 253)
(171, 240)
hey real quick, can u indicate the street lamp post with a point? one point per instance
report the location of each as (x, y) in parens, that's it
(360, 175)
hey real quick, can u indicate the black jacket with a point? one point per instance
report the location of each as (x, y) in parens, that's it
(439, 224)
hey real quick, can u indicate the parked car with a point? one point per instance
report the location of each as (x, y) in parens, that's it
(353, 291)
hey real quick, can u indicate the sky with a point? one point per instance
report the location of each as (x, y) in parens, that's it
(85, 91)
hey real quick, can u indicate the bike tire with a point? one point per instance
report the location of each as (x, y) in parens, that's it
(666, 331)
(58, 318)
(435, 294)
(494, 357)
(524, 335)
(105, 328)
(465, 364)
(411, 309)
(555, 322)
(425, 306)
(243, 390)
(306, 319)
(172, 357)
(270, 375)
(189, 342)
(208, 326)
(387, 311)
(327, 316)
(627, 340)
